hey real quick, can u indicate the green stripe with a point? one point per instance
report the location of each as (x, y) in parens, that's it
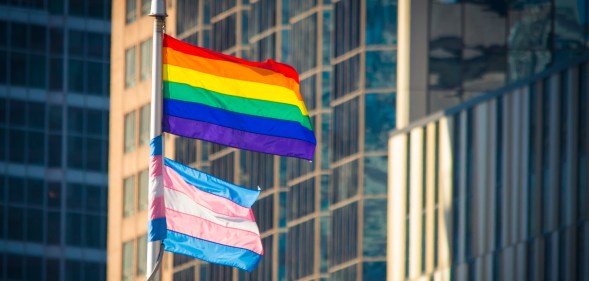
(282, 111)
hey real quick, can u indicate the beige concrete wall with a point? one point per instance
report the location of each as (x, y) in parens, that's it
(123, 101)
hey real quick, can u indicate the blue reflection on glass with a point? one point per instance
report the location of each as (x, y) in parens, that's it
(375, 228)
(381, 22)
(380, 120)
(381, 68)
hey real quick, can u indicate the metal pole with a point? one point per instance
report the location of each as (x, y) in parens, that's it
(158, 11)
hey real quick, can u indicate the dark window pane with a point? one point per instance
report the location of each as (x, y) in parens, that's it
(346, 26)
(36, 113)
(569, 18)
(94, 45)
(224, 33)
(93, 231)
(483, 70)
(16, 190)
(52, 265)
(53, 231)
(74, 147)
(34, 225)
(75, 120)
(17, 144)
(93, 198)
(56, 40)
(56, 74)
(94, 78)
(73, 269)
(19, 36)
(75, 196)
(16, 219)
(35, 192)
(54, 195)
(3, 110)
(94, 154)
(76, 8)
(76, 75)
(17, 112)
(34, 268)
(3, 67)
(486, 24)
(38, 38)
(93, 271)
(73, 232)
(131, 11)
(37, 71)
(374, 271)
(95, 8)
(14, 267)
(375, 175)
(381, 22)
(18, 69)
(54, 148)
(381, 69)
(3, 34)
(36, 148)
(55, 118)
(76, 42)
(56, 8)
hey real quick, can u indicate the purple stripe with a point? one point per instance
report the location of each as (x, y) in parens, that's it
(237, 138)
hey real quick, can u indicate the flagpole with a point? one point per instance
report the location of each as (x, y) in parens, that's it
(158, 11)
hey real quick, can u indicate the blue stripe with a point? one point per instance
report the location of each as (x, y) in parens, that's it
(155, 146)
(240, 195)
(156, 229)
(211, 252)
(243, 122)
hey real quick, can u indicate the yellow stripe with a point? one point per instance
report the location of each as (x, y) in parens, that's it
(232, 87)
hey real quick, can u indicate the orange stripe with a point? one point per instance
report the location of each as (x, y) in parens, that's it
(229, 70)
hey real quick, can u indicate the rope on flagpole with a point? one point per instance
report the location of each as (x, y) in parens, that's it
(158, 264)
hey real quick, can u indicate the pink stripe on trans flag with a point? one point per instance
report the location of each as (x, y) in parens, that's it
(203, 229)
(224, 206)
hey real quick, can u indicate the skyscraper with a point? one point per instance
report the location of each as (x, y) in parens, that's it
(54, 102)
(319, 220)
(491, 182)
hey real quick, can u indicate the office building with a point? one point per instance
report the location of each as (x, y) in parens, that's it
(494, 185)
(319, 220)
(54, 102)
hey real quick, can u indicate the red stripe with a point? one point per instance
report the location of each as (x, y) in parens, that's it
(284, 69)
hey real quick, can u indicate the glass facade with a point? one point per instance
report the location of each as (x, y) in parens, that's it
(513, 169)
(494, 43)
(54, 106)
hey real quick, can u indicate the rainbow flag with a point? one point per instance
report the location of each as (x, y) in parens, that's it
(198, 215)
(248, 105)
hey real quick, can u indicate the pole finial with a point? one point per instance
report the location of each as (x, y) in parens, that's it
(158, 8)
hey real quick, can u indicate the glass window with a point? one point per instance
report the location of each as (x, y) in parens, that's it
(19, 36)
(16, 219)
(93, 271)
(347, 76)
(54, 195)
(56, 74)
(18, 68)
(344, 230)
(17, 143)
(381, 69)
(34, 225)
(130, 67)
(346, 25)
(56, 40)
(76, 75)
(145, 62)
(37, 38)
(569, 20)
(344, 184)
(485, 24)
(381, 22)
(128, 252)
(36, 114)
(128, 196)
(143, 188)
(345, 129)
(36, 148)
(375, 228)
(146, 7)
(94, 78)
(93, 231)
(95, 9)
(52, 268)
(75, 120)
(76, 43)
(3, 34)
(301, 253)
(186, 9)
(73, 229)
(17, 112)
(374, 270)
(130, 131)
(141, 255)
(380, 120)
(131, 11)
(76, 8)
(375, 175)
(304, 36)
(74, 146)
(53, 227)
(3, 68)
(15, 267)
(95, 151)
(301, 199)
(55, 148)
(224, 36)
(144, 122)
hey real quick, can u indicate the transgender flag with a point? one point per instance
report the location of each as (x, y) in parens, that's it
(204, 217)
